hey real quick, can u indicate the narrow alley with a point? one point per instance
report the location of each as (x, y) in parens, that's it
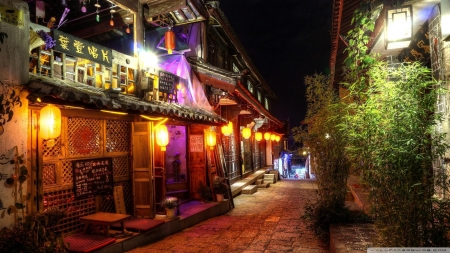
(266, 221)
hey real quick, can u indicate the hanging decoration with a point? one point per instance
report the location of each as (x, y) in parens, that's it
(258, 136)
(272, 137)
(83, 7)
(50, 124)
(111, 22)
(246, 133)
(97, 17)
(267, 136)
(277, 138)
(169, 40)
(162, 136)
(227, 130)
(128, 28)
(210, 136)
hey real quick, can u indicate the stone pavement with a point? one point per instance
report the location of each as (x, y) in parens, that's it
(266, 221)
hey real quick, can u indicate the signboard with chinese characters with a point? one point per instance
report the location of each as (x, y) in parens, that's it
(11, 15)
(167, 81)
(77, 47)
(93, 176)
(196, 143)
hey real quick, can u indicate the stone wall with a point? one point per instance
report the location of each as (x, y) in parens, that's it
(14, 111)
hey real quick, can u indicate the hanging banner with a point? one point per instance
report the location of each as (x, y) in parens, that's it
(77, 47)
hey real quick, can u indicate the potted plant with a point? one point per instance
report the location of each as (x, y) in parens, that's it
(205, 192)
(169, 205)
(220, 187)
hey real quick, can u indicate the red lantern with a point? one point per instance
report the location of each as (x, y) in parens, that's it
(169, 40)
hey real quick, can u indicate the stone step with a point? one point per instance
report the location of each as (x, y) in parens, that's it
(270, 178)
(259, 181)
(249, 189)
(263, 185)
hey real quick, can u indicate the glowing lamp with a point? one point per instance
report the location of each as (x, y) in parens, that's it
(169, 41)
(210, 139)
(228, 129)
(246, 133)
(267, 136)
(258, 136)
(399, 27)
(272, 137)
(50, 124)
(162, 136)
(277, 138)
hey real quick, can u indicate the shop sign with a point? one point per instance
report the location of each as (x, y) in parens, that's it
(196, 143)
(77, 47)
(167, 82)
(92, 176)
(11, 15)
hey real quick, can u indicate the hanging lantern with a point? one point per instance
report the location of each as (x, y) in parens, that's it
(246, 133)
(267, 136)
(50, 123)
(210, 136)
(169, 40)
(228, 129)
(128, 29)
(272, 137)
(277, 138)
(258, 136)
(162, 136)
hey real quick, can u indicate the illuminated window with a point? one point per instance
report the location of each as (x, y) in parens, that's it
(266, 103)
(235, 69)
(259, 97)
(250, 86)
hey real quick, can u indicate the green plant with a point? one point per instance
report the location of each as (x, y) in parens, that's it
(390, 126)
(326, 145)
(219, 185)
(204, 191)
(169, 203)
(35, 234)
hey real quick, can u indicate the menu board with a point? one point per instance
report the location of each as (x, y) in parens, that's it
(92, 176)
(167, 82)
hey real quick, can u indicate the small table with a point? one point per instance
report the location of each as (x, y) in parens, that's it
(105, 220)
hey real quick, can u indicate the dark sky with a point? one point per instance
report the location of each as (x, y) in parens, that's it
(286, 40)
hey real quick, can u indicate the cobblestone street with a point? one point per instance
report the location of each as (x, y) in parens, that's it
(266, 221)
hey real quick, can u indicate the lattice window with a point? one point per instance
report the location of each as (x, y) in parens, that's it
(67, 173)
(118, 136)
(84, 137)
(49, 174)
(53, 151)
(64, 199)
(120, 166)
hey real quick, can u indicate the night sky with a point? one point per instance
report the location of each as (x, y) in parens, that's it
(286, 40)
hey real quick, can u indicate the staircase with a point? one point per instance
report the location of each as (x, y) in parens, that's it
(261, 183)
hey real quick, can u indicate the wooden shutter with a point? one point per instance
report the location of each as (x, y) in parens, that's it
(143, 182)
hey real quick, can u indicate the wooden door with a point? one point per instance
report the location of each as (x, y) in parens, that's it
(143, 182)
(197, 159)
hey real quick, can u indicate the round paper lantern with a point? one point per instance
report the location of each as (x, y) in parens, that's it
(169, 40)
(277, 138)
(50, 122)
(228, 129)
(258, 136)
(162, 136)
(272, 137)
(267, 136)
(210, 139)
(246, 133)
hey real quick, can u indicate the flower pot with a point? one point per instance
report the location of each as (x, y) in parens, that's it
(219, 197)
(170, 212)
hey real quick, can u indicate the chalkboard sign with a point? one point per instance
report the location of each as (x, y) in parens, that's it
(167, 82)
(93, 176)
